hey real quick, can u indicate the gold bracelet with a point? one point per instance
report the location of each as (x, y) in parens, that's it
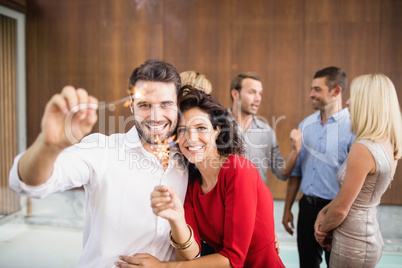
(185, 245)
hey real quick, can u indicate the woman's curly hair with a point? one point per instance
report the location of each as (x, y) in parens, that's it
(229, 140)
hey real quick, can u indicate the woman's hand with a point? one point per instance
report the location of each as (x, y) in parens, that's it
(323, 238)
(140, 260)
(166, 204)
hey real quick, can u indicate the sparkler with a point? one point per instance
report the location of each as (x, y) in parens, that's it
(134, 93)
(162, 150)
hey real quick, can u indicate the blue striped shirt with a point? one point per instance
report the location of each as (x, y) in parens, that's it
(324, 149)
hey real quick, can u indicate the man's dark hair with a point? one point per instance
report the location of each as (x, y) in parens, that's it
(335, 76)
(156, 71)
(237, 81)
(229, 140)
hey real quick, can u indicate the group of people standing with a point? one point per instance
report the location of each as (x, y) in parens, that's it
(214, 186)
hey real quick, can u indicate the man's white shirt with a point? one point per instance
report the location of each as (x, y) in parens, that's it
(118, 175)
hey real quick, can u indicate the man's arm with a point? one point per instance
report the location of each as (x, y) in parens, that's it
(68, 117)
(291, 193)
(290, 163)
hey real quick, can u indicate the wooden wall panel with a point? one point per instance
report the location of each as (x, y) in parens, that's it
(19, 5)
(9, 202)
(96, 44)
(130, 34)
(197, 37)
(390, 63)
(268, 40)
(343, 34)
(62, 49)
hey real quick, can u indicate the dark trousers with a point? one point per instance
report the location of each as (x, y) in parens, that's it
(310, 252)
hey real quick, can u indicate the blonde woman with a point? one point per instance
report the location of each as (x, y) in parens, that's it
(197, 80)
(349, 222)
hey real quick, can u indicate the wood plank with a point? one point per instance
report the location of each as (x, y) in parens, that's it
(197, 37)
(19, 5)
(131, 32)
(8, 136)
(268, 39)
(390, 64)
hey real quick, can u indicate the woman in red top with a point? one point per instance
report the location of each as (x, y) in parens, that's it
(227, 203)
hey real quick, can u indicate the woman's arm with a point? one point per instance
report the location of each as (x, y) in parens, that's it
(323, 238)
(360, 163)
(146, 260)
(166, 204)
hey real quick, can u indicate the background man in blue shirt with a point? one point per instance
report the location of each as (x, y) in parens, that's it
(326, 141)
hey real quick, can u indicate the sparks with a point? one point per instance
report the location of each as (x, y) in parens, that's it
(162, 150)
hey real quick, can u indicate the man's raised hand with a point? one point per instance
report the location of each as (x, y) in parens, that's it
(68, 117)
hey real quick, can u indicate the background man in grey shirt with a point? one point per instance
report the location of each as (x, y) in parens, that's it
(260, 140)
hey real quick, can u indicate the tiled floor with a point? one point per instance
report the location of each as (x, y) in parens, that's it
(52, 237)
(35, 246)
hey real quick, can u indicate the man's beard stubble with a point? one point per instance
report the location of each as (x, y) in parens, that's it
(153, 141)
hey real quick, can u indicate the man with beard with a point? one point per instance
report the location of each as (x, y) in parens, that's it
(118, 172)
(327, 139)
(260, 140)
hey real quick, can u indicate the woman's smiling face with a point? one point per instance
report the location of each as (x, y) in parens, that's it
(196, 135)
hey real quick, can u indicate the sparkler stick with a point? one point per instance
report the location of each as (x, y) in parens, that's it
(126, 101)
(134, 93)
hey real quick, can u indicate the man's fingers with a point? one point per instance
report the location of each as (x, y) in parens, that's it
(125, 265)
(59, 102)
(79, 101)
(83, 102)
(294, 133)
(287, 228)
(133, 261)
(92, 104)
(138, 256)
(70, 94)
(288, 220)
